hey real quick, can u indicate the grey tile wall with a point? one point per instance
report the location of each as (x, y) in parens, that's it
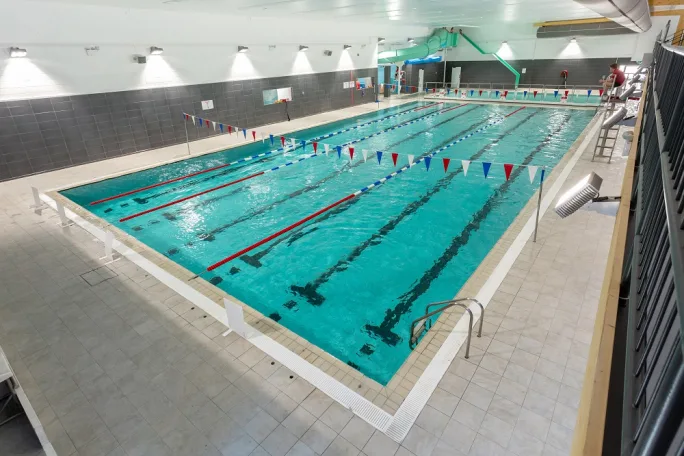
(51, 133)
(543, 71)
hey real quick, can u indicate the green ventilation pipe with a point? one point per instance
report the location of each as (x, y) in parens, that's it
(496, 56)
(440, 39)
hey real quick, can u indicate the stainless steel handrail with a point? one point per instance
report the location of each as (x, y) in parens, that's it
(413, 339)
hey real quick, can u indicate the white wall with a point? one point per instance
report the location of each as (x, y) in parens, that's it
(198, 48)
(523, 44)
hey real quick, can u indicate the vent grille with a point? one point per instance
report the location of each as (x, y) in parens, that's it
(595, 29)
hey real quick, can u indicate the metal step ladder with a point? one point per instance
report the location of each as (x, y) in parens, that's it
(607, 138)
(421, 325)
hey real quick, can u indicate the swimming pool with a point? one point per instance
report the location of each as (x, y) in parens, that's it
(352, 279)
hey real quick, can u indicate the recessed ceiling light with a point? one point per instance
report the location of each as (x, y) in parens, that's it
(381, 40)
(410, 40)
(347, 46)
(16, 52)
(243, 49)
(573, 40)
(303, 48)
(504, 42)
(154, 50)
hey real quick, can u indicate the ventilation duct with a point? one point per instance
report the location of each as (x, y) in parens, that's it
(574, 30)
(633, 14)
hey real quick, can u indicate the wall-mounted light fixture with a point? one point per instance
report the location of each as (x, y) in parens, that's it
(303, 48)
(381, 40)
(573, 40)
(503, 43)
(327, 52)
(16, 52)
(154, 50)
(410, 40)
(347, 46)
(243, 49)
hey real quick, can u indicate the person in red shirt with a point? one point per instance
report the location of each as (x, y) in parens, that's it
(615, 74)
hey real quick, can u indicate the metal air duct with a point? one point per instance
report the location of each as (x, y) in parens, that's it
(633, 14)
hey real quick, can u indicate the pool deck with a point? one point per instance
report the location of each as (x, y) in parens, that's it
(114, 360)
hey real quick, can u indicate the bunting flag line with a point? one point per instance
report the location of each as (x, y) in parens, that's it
(230, 130)
(465, 164)
(364, 152)
(555, 93)
(566, 93)
(327, 148)
(427, 163)
(253, 135)
(600, 92)
(282, 141)
(480, 92)
(535, 94)
(221, 127)
(588, 93)
(507, 170)
(303, 143)
(339, 151)
(472, 92)
(293, 142)
(485, 168)
(271, 138)
(214, 125)
(505, 93)
(351, 153)
(497, 94)
(532, 171)
(410, 159)
(244, 132)
(445, 163)
(394, 158)
(315, 147)
(379, 154)
(524, 93)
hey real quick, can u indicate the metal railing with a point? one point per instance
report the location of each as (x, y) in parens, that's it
(653, 279)
(426, 322)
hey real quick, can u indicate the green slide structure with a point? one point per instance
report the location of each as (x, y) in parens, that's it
(440, 39)
(496, 56)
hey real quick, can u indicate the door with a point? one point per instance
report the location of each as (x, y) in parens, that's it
(455, 78)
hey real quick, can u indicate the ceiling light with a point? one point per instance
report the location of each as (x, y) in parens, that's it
(327, 52)
(242, 49)
(381, 40)
(410, 40)
(154, 50)
(347, 46)
(17, 52)
(503, 43)
(303, 48)
(573, 40)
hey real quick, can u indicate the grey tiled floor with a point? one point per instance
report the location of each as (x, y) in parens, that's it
(115, 363)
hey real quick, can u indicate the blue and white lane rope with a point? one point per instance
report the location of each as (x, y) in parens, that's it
(349, 197)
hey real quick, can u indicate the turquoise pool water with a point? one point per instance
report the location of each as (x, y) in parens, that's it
(351, 280)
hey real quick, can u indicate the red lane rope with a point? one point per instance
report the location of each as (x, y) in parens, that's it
(159, 184)
(428, 106)
(519, 109)
(280, 233)
(251, 176)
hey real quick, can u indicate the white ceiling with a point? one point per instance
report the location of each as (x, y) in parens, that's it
(433, 13)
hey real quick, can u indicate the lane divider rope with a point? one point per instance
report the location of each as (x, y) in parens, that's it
(355, 194)
(284, 165)
(252, 157)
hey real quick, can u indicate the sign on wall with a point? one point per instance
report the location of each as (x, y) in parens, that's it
(273, 96)
(207, 104)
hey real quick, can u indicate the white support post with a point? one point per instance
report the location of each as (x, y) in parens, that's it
(64, 221)
(236, 318)
(109, 249)
(37, 202)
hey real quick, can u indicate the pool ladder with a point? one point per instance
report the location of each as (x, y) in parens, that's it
(424, 323)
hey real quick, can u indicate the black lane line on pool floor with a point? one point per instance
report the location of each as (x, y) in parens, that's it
(255, 260)
(310, 290)
(210, 236)
(172, 216)
(384, 331)
(263, 160)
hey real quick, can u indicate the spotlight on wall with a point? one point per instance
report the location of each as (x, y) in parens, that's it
(327, 52)
(243, 49)
(303, 48)
(585, 191)
(347, 46)
(16, 52)
(573, 40)
(154, 50)
(381, 40)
